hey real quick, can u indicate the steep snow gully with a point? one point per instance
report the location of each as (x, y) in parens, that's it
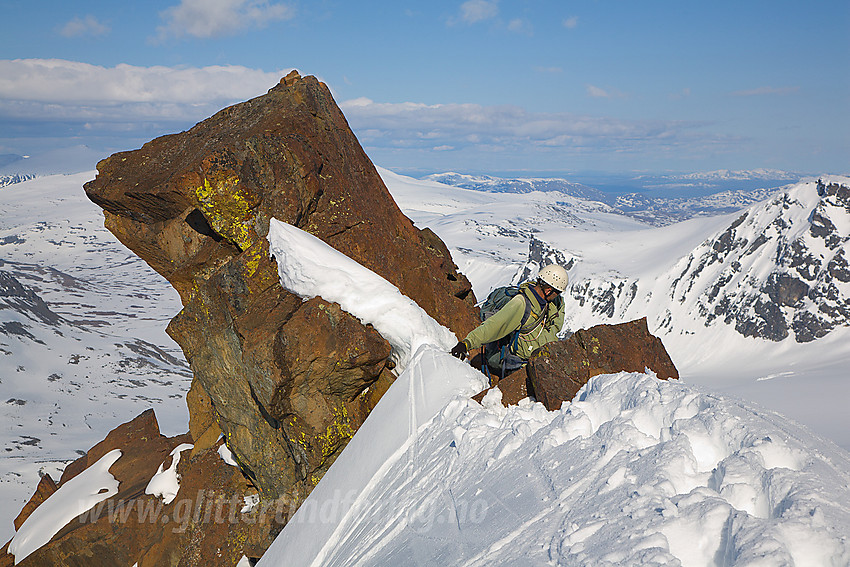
(635, 470)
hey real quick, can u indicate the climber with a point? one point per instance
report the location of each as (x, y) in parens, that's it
(529, 320)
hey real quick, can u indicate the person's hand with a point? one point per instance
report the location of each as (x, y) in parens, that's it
(459, 351)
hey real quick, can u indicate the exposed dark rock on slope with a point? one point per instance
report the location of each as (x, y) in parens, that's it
(779, 270)
(556, 371)
(288, 381)
(209, 521)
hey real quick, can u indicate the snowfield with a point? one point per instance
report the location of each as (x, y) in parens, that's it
(634, 470)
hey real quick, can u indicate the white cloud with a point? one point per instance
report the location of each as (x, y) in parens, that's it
(60, 81)
(216, 18)
(89, 25)
(56, 89)
(474, 11)
(598, 92)
(521, 26)
(412, 125)
(767, 91)
(571, 23)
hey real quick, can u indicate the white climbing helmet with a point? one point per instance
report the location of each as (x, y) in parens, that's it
(554, 275)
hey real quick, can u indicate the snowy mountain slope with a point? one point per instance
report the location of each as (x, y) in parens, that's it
(490, 233)
(622, 269)
(634, 471)
(82, 335)
(779, 269)
(665, 211)
(16, 178)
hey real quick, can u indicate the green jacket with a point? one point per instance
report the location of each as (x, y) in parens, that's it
(507, 320)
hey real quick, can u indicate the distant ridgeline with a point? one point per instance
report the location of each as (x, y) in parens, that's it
(17, 178)
(658, 201)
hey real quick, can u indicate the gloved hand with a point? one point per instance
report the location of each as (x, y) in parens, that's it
(459, 351)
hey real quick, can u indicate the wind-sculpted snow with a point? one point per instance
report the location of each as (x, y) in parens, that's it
(635, 471)
(308, 267)
(79, 494)
(429, 378)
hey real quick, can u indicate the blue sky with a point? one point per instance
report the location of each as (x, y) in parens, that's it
(475, 86)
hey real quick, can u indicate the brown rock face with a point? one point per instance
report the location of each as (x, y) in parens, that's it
(288, 382)
(207, 523)
(46, 487)
(98, 541)
(514, 387)
(559, 369)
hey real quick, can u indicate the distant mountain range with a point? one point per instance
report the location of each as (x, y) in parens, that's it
(647, 205)
(727, 175)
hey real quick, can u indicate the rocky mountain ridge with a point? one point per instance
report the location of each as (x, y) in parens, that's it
(778, 270)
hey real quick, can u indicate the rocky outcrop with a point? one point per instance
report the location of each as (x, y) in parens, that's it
(557, 371)
(214, 519)
(801, 237)
(287, 382)
(778, 271)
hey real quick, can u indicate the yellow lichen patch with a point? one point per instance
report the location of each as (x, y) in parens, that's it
(226, 208)
(594, 345)
(301, 437)
(252, 262)
(338, 431)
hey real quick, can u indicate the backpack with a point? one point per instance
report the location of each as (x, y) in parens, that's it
(497, 299)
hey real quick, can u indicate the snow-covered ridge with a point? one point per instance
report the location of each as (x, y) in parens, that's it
(517, 185)
(633, 471)
(777, 270)
(308, 267)
(16, 178)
